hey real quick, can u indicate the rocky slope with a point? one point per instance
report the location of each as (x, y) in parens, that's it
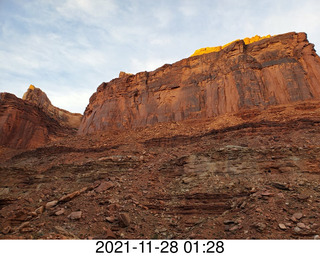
(33, 121)
(22, 125)
(251, 174)
(275, 70)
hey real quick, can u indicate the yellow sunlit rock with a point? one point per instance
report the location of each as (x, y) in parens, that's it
(246, 40)
(31, 87)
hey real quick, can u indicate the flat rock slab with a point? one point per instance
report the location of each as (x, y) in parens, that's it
(51, 204)
(105, 185)
(75, 215)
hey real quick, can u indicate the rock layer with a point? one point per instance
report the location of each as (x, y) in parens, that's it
(179, 180)
(39, 98)
(246, 40)
(23, 125)
(277, 70)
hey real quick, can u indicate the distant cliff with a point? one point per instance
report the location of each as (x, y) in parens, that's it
(276, 70)
(37, 97)
(33, 121)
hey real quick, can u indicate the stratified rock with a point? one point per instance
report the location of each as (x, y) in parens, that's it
(37, 97)
(276, 70)
(24, 125)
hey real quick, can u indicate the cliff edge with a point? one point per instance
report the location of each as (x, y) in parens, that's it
(33, 121)
(271, 71)
(37, 97)
(23, 125)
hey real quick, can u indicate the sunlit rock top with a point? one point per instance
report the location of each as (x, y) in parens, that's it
(246, 40)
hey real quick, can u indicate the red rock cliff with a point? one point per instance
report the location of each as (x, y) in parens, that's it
(23, 125)
(39, 98)
(276, 70)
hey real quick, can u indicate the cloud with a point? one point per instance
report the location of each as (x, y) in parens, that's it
(85, 11)
(69, 47)
(70, 99)
(190, 8)
(150, 64)
(163, 16)
(295, 17)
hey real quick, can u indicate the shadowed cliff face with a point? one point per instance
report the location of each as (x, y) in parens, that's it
(276, 70)
(22, 125)
(37, 97)
(33, 121)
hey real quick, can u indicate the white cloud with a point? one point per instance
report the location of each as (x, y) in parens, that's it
(159, 41)
(149, 64)
(69, 47)
(164, 16)
(69, 99)
(295, 17)
(87, 11)
(189, 8)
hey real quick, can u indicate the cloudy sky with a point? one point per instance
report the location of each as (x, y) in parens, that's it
(69, 47)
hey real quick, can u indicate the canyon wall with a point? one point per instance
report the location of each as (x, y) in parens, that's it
(276, 70)
(23, 125)
(33, 121)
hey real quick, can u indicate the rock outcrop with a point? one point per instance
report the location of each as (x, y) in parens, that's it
(23, 125)
(246, 40)
(276, 70)
(37, 97)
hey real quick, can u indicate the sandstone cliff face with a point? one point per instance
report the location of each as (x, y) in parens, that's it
(23, 125)
(276, 70)
(37, 97)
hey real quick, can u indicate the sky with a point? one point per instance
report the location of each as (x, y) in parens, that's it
(69, 47)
